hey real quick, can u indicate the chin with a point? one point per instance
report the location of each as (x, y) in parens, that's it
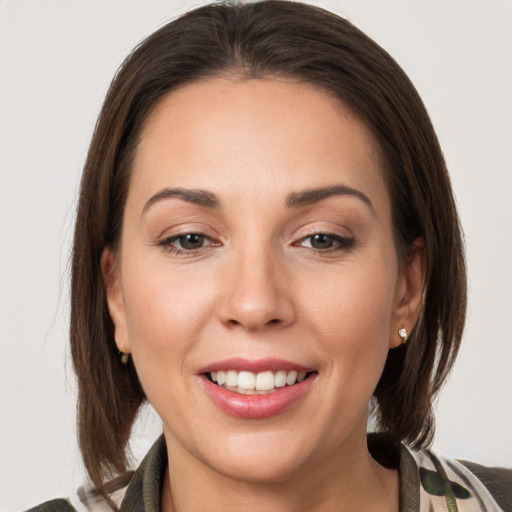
(270, 458)
(263, 470)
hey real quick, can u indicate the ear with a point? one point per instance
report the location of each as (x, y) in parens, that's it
(410, 291)
(114, 293)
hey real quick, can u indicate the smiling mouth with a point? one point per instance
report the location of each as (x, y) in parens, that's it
(263, 383)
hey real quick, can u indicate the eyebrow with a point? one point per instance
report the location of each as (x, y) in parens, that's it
(315, 195)
(194, 196)
(293, 200)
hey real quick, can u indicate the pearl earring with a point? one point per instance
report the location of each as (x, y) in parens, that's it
(403, 334)
(124, 356)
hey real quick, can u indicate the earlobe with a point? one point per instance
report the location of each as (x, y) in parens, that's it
(410, 293)
(114, 294)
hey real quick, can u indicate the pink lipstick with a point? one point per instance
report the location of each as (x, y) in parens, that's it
(256, 389)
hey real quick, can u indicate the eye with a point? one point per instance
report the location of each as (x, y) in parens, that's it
(186, 242)
(190, 241)
(326, 242)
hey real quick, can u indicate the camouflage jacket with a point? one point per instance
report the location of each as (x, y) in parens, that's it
(428, 483)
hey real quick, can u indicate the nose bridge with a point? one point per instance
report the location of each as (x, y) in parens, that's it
(256, 295)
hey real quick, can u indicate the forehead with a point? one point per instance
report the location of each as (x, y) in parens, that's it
(275, 135)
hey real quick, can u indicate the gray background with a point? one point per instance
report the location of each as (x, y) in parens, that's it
(57, 59)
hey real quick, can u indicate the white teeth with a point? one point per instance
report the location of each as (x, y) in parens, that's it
(247, 380)
(221, 378)
(280, 379)
(291, 378)
(265, 381)
(232, 379)
(252, 383)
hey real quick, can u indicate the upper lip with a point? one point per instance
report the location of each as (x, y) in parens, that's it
(254, 365)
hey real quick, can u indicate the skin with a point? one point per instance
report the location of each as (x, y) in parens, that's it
(259, 286)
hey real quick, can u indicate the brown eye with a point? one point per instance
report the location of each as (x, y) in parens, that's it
(322, 241)
(187, 242)
(325, 242)
(191, 241)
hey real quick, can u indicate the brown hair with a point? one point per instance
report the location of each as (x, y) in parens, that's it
(254, 40)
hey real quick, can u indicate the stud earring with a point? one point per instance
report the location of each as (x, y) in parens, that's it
(124, 356)
(403, 334)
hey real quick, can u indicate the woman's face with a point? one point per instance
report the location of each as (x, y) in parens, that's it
(257, 247)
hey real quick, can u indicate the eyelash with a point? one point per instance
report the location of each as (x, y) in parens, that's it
(167, 243)
(340, 243)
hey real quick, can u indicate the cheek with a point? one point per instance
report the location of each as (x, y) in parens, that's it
(166, 311)
(351, 314)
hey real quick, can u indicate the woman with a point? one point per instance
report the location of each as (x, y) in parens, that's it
(266, 241)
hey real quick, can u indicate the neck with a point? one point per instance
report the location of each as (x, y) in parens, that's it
(350, 480)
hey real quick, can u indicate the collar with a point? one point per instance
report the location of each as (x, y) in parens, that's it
(428, 482)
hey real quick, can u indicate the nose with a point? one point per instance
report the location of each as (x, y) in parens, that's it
(256, 293)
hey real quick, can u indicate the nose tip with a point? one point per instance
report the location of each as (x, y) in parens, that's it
(253, 319)
(256, 296)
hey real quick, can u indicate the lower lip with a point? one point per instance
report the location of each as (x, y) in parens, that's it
(257, 406)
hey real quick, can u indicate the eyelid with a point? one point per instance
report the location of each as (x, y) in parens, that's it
(342, 242)
(185, 228)
(323, 229)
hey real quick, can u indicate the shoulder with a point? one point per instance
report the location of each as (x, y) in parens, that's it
(85, 499)
(430, 481)
(131, 491)
(54, 506)
(445, 479)
(497, 480)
